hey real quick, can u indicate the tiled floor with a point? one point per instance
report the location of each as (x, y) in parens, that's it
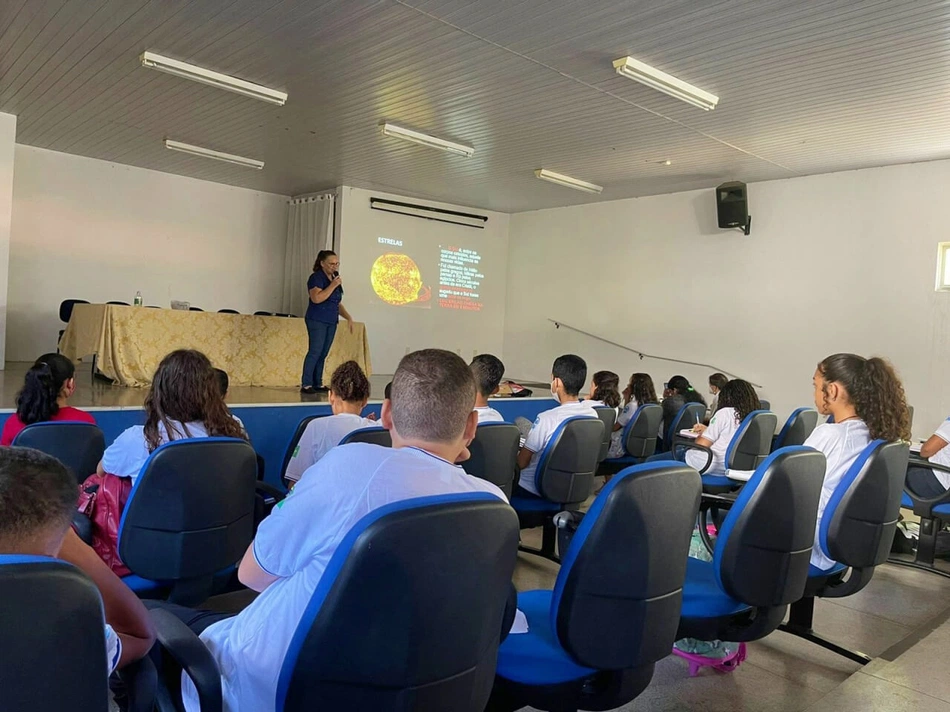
(900, 618)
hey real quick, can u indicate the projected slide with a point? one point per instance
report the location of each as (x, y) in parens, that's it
(403, 277)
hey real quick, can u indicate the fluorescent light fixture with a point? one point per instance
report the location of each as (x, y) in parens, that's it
(216, 155)
(402, 132)
(567, 181)
(666, 83)
(214, 79)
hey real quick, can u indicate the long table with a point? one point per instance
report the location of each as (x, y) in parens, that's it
(255, 350)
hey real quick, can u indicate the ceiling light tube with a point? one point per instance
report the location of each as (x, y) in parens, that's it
(402, 132)
(216, 155)
(666, 83)
(211, 78)
(567, 181)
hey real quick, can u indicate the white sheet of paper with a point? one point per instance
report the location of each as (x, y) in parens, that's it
(689, 434)
(520, 624)
(740, 475)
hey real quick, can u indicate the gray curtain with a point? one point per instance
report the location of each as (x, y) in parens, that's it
(309, 230)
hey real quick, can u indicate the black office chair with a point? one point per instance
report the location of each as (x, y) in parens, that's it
(494, 455)
(195, 309)
(761, 558)
(593, 641)
(120, 304)
(66, 313)
(797, 428)
(373, 436)
(934, 513)
(228, 311)
(639, 437)
(685, 418)
(263, 313)
(53, 634)
(564, 476)
(407, 615)
(79, 446)
(609, 417)
(292, 445)
(189, 518)
(856, 531)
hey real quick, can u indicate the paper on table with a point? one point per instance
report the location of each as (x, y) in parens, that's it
(519, 625)
(740, 475)
(688, 434)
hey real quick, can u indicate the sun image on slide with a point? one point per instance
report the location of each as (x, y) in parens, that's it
(397, 280)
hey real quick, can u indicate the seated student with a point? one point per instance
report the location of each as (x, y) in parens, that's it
(47, 387)
(924, 481)
(37, 500)
(432, 421)
(488, 372)
(639, 391)
(224, 385)
(678, 392)
(349, 392)
(604, 390)
(717, 382)
(567, 378)
(866, 398)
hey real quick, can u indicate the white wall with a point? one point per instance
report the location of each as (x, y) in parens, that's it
(838, 262)
(99, 231)
(7, 139)
(395, 329)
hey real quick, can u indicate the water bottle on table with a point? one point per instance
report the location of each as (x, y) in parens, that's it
(137, 302)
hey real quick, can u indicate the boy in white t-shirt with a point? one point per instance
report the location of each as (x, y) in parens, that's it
(927, 482)
(349, 392)
(568, 376)
(432, 422)
(488, 371)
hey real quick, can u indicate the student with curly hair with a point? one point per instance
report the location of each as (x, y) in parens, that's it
(349, 392)
(605, 390)
(736, 400)
(866, 399)
(639, 391)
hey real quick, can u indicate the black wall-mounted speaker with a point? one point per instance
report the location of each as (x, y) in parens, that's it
(732, 204)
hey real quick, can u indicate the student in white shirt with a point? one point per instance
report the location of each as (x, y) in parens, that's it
(639, 391)
(717, 382)
(488, 371)
(184, 401)
(604, 390)
(432, 421)
(567, 378)
(924, 481)
(866, 399)
(36, 506)
(349, 392)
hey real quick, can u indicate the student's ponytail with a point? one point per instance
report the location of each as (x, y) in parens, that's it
(875, 391)
(37, 401)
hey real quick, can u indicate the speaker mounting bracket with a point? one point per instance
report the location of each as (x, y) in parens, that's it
(747, 228)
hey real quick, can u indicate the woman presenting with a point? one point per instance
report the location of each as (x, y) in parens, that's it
(323, 314)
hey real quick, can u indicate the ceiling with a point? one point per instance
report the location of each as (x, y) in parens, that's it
(804, 87)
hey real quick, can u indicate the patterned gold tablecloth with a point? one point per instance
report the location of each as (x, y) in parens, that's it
(254, 350)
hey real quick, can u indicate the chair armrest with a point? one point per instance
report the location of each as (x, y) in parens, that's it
(141, 683)
(694, 446)
(269, 490)
(719, 501)
(926, 505)
(82, 525)
(190, 655)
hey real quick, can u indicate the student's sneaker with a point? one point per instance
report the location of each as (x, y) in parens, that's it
(721, 657)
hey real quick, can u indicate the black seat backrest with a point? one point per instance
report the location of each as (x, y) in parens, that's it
(66, 308)
(294, 441)
(190, 513)
(857, 528)
(566, 467)
(408, 614)
(120, 304)
(373, 436)
(797, 428)
(686, 418)
(53, 633)
(642, 431)
(764, 546)
(228, 311)
(494, 454)
(263, 313)
(609, 417)
(79, 446)
(618, 594)
(752, 442)
(764, 405)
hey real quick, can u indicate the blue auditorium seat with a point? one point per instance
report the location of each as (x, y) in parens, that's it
(373, 436)
(747, 449)
(685, 418)
(407, 615)
(494, 455)
(639, 437)
(856, 531)
(934, 513)
(189, 518)
(761, 556)
(54, 645)
(564, 476)
(292, 445)
(592, 641)
(79, 446)
(608, 417)
(797, 428)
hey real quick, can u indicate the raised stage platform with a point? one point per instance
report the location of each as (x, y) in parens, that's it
(269, 414)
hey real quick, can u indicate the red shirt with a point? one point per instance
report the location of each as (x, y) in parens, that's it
(14, 425)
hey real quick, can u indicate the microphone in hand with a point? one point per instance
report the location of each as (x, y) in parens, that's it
(335, 274)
